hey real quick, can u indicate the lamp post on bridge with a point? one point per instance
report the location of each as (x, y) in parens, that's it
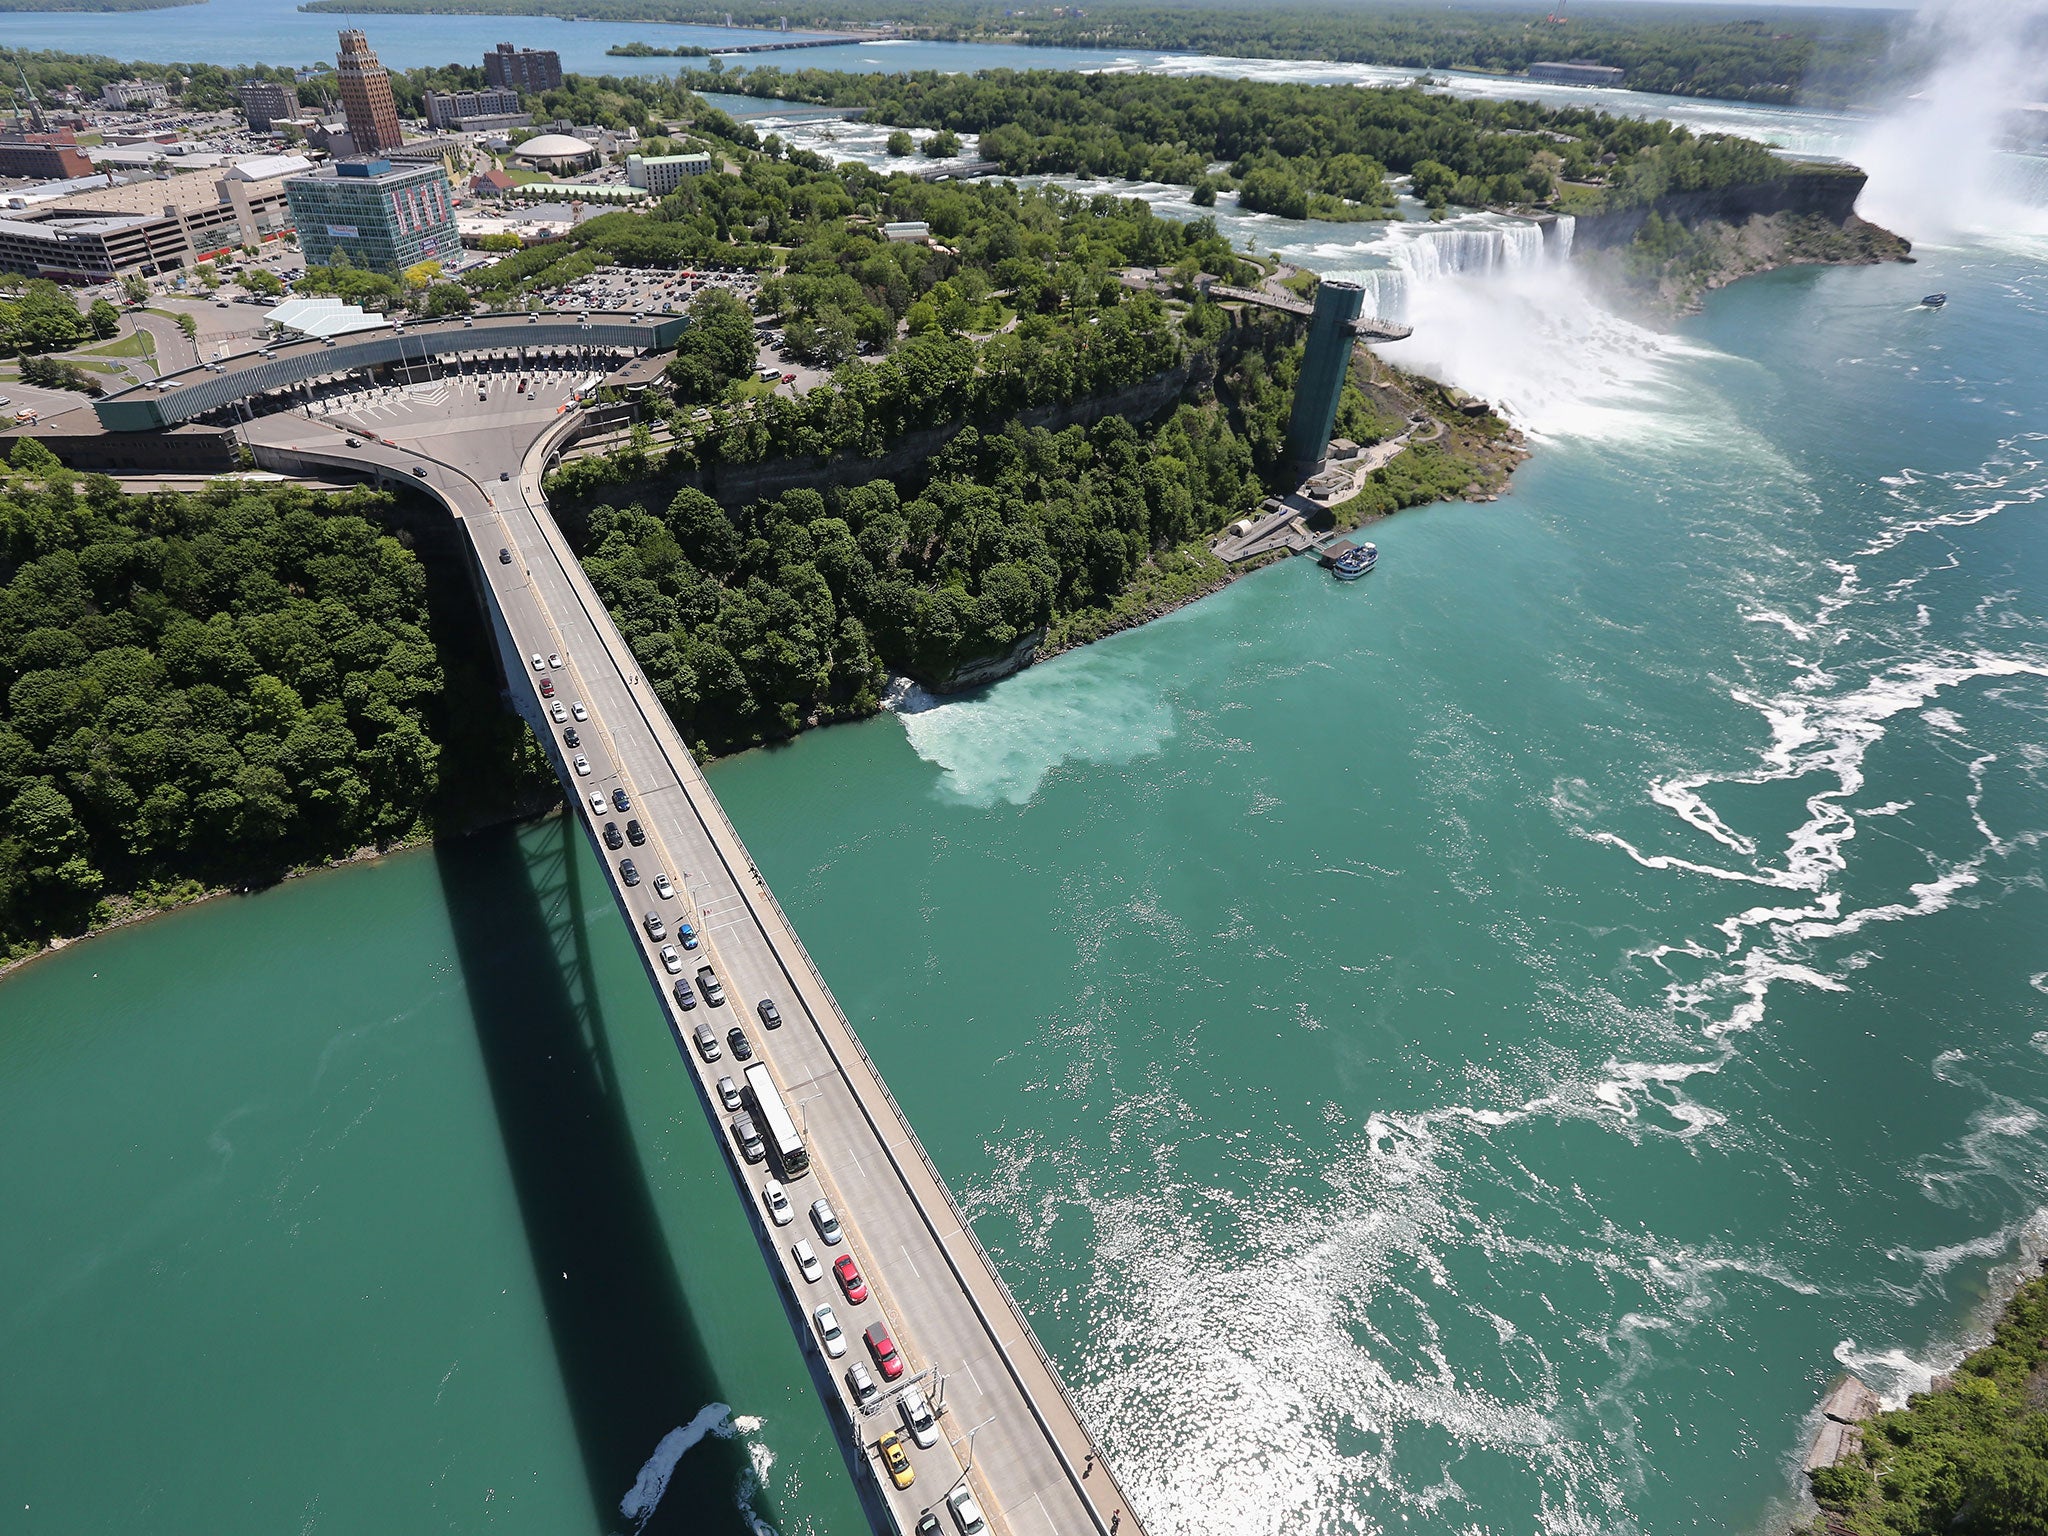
(968, 1465)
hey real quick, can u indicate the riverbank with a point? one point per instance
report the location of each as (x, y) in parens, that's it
(1671, 274)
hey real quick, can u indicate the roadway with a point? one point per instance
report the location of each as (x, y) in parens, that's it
(1034, 1469)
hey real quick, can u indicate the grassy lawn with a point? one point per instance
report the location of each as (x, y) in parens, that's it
(524, 177)
(134, 344)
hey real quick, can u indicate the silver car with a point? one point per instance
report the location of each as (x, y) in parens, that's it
(827, 1223)
(671, 961)
(830, 1334)
(917, 1418)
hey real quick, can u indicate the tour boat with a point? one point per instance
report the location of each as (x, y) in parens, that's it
(1934, 301)
(1354, 562)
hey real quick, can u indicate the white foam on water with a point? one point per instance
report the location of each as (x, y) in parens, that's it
(644, 1497)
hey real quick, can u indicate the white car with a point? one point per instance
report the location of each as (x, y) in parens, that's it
(826, 1222)
(806, 1262)
(777, 1202)
(579, 711)
(556, 713)
(582, 764)
(538, 664)
(671, 961)
(597, 802)
(966, 1513)
(663, 889)
(917, 1418)
(831, 1335)
(554, 660)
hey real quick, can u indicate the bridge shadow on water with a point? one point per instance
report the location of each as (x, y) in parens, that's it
(632, 1361)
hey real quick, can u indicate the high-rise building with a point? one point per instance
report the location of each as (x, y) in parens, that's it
(386, 217)
(366, 96)
(267, 102)
(527, 69)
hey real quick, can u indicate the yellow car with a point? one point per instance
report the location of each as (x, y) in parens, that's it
(896, 1460)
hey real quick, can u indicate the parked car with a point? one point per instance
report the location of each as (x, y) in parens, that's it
(634, 835)
(686, 1000)
(657, 930)
(917, 1418)
(827, 1222)
(777, 1201)
(667, 892)
(806, 1261)
(707, 982)
(742, 1047)
(847, 1273)
(748, 1139)
(771, 1016)
(861, 1383)
(830, 1334)
(612, 839)
(673, 964)
(887, 1358)
(728, 1093)
(707, 1043)
(966, 1513)
(895, 1460)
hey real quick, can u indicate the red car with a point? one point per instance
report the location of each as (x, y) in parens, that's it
(789, 378)
(848, 1276)
(547, 688)
(883, 1348)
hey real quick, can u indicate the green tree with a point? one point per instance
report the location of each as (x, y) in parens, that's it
(104, 319)
(900, 143)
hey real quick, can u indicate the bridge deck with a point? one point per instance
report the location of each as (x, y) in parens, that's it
(1034, 1468)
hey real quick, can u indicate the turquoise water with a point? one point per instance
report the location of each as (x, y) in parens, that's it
(1472, 1050)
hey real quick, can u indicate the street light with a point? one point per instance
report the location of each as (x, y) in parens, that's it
(803, 1113)
(969, 1465)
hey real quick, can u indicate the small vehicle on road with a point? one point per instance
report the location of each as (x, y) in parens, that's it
(634, 834)
(728, 1093)
(688, 934)
(554, 659)
(353, 442)
(581, 765)
(847, 1273)
(657, 930)
(504, 555)
(748, 1139)
(777, 1202)
(539, 665)
(771, 1016)
(966, 1513)
(807, 1262)
(629, 872)
(895, 1459)
(576, 708)
(504, 474)
(742, 1047)
(927, 1525)
(620, 802)
(707, 983)
(917, 1418)
(707, 1043)
(547, 687)
(570, 738)
(686, 1000)
(667, 892)
(672, 962)
(556, 713)
(827, 1223)
(887, 1358)
(830, 1334)
(597, 801)
(419, 471)
(612, 839)
(860, 1383)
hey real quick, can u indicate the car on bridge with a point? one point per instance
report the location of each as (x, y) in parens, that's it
(597, 802)
(547, 687)
(629, 872)
(667, 892)
(748, 1136)
(827, 1222)
(619, 801)
(576, 708)
(771, 1016)
(777, 1201)
(556, 713)
(807, 1263)
(830, 1334)
(742, 1047)
(728, 1093)
(888, 1359)
(860, 1383)
(966, 1513)
(847, 1273)
(581, 765)
(657, 930)
(686, 1000)
(707, 982)
(612, 839)
(634, 835)
(707, 1043)
(688, 934)
(673, 964)
(917, 1418)
(896, 1459)
(570, 738)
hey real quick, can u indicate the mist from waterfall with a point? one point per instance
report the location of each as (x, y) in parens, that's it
(1942, 163)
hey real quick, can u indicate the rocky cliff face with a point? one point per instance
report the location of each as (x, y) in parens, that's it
(1825, 192)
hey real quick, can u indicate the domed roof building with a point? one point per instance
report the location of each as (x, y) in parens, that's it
(557, 152)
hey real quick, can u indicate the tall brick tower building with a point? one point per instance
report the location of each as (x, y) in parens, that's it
(366, 96)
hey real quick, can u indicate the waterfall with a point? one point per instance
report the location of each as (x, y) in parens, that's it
(1420, 256)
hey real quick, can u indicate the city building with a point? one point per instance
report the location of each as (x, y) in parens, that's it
(122, 94)
(448, 109)
(266, 103)
(528, 69)
(557, 152)
(366, 99)
(386, 217)
(44, 156)
(1577, 72)
(662, 174)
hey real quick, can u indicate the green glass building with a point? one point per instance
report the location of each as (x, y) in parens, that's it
(385, 217)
